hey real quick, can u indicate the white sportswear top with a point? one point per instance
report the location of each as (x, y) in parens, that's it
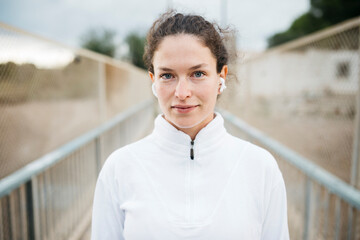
(153, 190)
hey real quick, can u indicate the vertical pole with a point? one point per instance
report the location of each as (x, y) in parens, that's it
(355, 165)
(326, 215)
(102, 90)
(307, 209)
(36, 198)
(30, 210)
(6, 207)
(98, 155)
(350, 223)
(338, 218)
(13, 214)
(355, 179)
(317, 215)
(2, 226)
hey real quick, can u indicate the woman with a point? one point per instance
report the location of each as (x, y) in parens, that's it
(189, 179)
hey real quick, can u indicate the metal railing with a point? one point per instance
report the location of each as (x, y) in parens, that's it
(50, 94)
(320, 205)
(51, 197)
(46, 199)
(305, 94)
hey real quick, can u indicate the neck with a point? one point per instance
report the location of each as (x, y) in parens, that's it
(193, 131)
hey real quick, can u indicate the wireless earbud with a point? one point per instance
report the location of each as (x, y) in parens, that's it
(222, 83)
(153, 89)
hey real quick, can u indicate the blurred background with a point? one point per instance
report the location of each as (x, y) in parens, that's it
(68, 21)
(73, 88)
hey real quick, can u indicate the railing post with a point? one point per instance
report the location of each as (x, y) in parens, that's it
(307, 209)
(98, 154)
(338, 218)
(36, 207)
(30, 210)
(350, 223)
(326, 217)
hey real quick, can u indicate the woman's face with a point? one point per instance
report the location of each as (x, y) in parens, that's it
(186, 81)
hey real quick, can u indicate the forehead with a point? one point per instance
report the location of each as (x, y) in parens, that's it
(182, 51)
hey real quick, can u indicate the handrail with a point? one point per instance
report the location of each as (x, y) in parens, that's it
(313, 171)
(312, 37)
(24, 174)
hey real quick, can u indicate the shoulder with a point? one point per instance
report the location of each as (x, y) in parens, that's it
(261, 155)
(116, 161)
(120, 163)
(257, 159)
(251, 151)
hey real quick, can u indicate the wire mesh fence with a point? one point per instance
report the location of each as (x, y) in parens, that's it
(305, 95)
(50, 94)
(320, 205)
(56, 202)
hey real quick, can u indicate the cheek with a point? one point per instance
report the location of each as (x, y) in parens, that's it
(208, 94)
(165, 95)
(164, 91)
(210, 90)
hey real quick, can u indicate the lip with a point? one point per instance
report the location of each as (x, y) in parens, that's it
(184, 108)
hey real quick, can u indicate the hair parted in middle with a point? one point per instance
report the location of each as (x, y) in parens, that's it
(172, 23)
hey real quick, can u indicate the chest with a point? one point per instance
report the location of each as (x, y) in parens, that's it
(232, 210)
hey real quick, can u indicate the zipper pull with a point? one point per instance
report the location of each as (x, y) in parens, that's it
(192, 151)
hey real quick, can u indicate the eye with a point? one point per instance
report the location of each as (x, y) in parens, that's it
(198, 74)
(166, 76)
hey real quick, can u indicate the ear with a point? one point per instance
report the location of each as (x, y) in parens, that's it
(224, 72)
(152, 77)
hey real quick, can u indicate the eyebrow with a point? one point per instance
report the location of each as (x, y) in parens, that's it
(165, 69)
(192, 68)
(199, 66)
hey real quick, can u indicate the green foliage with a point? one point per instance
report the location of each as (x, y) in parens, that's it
(136, 43)
(100, 41)
(335, 11)
(323, 13)
(303, 25)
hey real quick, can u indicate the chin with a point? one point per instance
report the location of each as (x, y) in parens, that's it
(185, 125)
(187, 122)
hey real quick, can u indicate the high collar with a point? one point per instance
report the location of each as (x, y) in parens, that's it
(208, 137)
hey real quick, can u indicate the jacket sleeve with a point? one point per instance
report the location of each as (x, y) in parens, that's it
(275, 225)
(107, 217)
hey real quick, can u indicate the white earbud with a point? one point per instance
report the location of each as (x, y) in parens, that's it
(153, 89)
(222, 83)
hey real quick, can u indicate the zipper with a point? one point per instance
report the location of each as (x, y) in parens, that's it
(192, 150)
(191, 185)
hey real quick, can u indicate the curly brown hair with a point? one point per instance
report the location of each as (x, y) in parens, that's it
(172, 23)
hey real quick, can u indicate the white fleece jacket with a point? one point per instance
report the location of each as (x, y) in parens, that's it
(153, 190)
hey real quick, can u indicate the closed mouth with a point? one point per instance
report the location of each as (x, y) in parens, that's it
(184, 106)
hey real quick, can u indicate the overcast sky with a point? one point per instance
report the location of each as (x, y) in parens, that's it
(66, 20)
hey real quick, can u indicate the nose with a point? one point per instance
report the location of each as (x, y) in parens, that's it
(182, 90)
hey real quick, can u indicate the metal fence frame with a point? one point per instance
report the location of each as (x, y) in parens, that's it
(343, 207)
(304, 42)
(25, 180)
(313, 172)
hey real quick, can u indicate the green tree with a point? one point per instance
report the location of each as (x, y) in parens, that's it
(136, 44)
(322, 14)
(100, 41)
(335, 11)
